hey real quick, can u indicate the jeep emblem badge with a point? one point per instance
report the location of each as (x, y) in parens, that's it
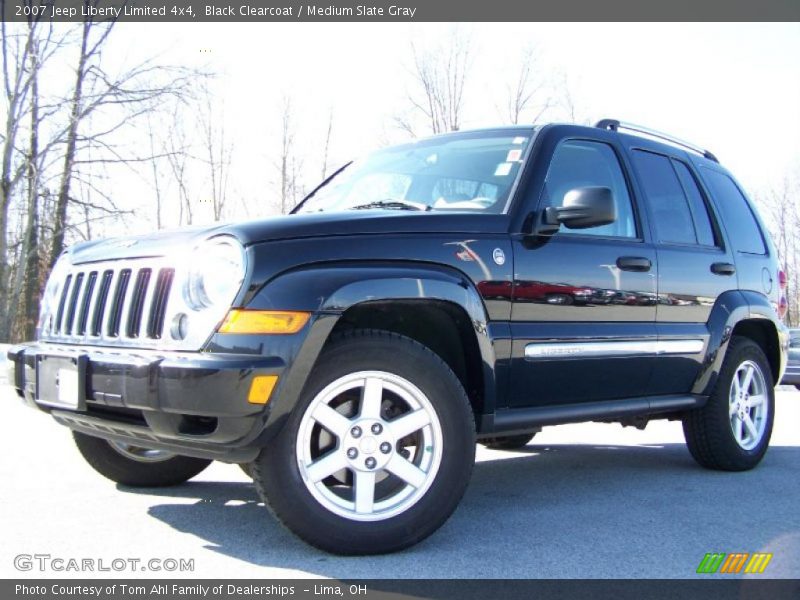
(499, 256)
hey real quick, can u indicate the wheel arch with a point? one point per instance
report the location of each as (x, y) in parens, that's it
(747, 314)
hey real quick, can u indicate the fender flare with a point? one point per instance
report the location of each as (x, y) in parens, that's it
(328, 290)
(730, 309)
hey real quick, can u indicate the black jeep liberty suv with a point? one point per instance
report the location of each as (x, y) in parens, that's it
(473, 286)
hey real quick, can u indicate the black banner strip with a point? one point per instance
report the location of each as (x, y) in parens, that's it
(403, 10)
(712, 588)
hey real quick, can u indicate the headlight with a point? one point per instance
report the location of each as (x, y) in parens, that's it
(215, 274)
(52, 291)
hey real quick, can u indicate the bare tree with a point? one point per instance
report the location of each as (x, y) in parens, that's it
(17, 49)
(121, 99)
(566, 101)
(178, 159)
(217, 151)
(25, 50)
(439, 82)
(782, 214)
(526, 94)
(155, 172)
(71, 140)
(287, 162)
(327, 145)
(29, 267)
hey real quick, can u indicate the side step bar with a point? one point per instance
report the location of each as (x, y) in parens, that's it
(521, 419)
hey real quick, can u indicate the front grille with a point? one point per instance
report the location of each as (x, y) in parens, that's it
(112, 303)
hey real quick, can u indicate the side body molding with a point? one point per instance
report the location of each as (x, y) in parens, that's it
(330, 289)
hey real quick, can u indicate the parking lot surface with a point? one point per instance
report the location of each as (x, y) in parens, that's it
(581, 501)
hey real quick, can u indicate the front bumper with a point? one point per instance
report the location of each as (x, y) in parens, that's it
(190, 403)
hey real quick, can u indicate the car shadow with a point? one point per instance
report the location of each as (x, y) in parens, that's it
(546, 511)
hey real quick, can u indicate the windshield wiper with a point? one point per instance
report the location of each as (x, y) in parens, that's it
(396, 204)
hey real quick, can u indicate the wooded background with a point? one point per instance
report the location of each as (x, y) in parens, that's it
(72, 118)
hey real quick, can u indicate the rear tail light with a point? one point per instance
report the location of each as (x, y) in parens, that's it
(782, 280)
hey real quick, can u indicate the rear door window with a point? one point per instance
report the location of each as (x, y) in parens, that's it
(698, 206)
(669, 205)
(743, 230)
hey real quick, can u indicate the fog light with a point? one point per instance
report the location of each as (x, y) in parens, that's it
(180, 327)
(261, 388)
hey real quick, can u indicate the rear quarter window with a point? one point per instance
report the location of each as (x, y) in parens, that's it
(737, 216)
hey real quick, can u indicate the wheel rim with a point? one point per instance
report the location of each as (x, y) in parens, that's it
(139, 454)
(749, 405)
(369, 446)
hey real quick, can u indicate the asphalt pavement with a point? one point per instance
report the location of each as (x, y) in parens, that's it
(581, 501)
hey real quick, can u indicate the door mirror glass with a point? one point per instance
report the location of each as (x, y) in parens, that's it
(583, 208)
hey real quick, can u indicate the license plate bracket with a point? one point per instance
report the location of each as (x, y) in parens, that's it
(61, 381)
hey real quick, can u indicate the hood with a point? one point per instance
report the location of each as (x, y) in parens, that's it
(291, 227)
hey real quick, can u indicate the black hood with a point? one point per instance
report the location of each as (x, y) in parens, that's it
(290, 227)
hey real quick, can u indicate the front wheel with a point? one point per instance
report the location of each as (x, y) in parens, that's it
(732, 431)
(377, 453)
(137, 466)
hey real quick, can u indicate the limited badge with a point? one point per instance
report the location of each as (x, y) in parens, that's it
(499, 256)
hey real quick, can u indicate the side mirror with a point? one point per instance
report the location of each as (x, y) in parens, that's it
(582, 208)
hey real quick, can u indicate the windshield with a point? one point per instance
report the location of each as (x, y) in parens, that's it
(472, 171)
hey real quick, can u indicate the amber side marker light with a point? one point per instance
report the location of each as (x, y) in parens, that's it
(264, 321)
(261, 388)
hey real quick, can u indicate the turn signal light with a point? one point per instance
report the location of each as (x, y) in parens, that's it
(261, 388)
(264, 321)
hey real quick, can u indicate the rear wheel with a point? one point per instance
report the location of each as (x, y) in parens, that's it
(508, 442)
(378, 451)
(732, 431)
(135, 465)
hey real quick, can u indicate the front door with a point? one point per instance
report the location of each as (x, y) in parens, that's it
(584, 300)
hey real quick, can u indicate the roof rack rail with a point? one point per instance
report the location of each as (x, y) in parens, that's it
(614, 125)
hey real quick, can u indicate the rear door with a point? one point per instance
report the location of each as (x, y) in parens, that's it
(695, 265)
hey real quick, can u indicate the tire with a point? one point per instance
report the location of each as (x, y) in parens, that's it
(797, 386)
(717, 435)
(149, 469)
(246, 469)
(508, 442)
(309, 476)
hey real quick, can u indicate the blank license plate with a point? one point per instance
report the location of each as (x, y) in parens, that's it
(58, 382)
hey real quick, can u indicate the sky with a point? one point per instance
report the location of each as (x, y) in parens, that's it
(732, 88)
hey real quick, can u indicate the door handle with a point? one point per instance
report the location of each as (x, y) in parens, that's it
(639, 264)
(723, 268)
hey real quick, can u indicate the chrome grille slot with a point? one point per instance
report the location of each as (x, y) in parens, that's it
(83, 315)
(155, 322)
(100, 304)
(137, 303)
(118, 303)
(73, 301)
(61, 304)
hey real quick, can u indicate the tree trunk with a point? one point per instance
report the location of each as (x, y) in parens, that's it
(62, 200)
(30, 244)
